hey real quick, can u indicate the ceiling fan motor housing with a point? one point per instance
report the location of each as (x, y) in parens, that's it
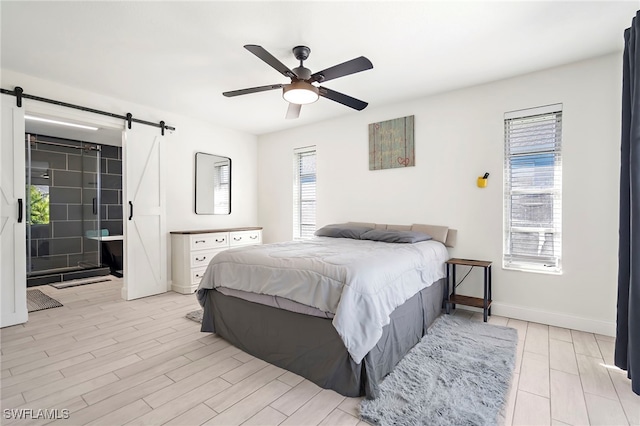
(302, 73)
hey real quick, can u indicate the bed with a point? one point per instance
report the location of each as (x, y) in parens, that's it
(340, 310)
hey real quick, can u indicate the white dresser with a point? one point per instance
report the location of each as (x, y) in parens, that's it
(191, 252)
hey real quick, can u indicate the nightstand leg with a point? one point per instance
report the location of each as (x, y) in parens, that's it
(486, 293)
(445, 299)
(453, 284)
(490, 296)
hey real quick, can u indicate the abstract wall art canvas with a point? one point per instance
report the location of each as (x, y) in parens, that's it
(391, 144)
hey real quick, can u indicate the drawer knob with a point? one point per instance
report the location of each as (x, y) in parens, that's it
(237, 238)
(200, 241)
(219, 241)
(200, 259)
(253, 237)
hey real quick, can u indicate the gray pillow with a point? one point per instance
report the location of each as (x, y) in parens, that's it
(342, 230)
(392, 236)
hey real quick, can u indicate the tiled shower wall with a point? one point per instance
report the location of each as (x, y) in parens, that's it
(72, 187)
(111, 194)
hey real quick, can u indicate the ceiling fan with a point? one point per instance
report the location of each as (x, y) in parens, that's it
(301, 90)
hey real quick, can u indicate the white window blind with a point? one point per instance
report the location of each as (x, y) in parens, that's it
(304, 192)
(221, 191)
(533, 189)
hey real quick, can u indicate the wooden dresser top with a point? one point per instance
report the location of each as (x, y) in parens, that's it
(211, 231)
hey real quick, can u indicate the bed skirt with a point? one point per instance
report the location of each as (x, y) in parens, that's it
(310, 346)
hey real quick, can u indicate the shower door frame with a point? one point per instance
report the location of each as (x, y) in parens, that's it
(95, 208)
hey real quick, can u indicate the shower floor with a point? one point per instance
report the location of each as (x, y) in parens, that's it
(62, 276)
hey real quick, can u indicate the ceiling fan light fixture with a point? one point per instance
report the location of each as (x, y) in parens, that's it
(300, 92)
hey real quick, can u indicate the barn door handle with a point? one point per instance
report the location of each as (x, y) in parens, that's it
(130, 210)
(19, 210)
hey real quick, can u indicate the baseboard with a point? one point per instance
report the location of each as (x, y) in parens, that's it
(188, 289)
(606, 328)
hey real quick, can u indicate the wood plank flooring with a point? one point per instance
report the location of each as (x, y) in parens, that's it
(111, 362)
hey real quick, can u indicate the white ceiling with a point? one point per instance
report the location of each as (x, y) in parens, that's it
(180, 56)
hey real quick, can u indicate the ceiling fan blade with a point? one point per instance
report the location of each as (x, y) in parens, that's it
(293, 111)
(350, 67)
(342, 98)
(261, 53)
(252, 90)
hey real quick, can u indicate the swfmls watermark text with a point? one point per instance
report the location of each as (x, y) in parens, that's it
(32, 413)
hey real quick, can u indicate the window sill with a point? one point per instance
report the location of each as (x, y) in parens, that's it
(534, 271)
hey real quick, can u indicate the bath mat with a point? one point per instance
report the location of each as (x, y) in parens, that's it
(37, 301)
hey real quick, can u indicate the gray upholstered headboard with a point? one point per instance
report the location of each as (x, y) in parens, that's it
(444, 234)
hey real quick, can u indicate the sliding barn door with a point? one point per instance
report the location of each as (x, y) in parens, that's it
(13, 250)
(145, 248)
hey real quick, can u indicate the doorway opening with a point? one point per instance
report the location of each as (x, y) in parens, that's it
(73, 209)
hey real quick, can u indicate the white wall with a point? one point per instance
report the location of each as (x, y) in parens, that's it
(191, 136)
(459, 136)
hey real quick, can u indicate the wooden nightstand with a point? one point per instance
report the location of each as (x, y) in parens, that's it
(478, 302)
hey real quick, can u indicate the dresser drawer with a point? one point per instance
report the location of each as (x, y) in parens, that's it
(202, 258)
(196, 275)
(209, 241)
(241, 238)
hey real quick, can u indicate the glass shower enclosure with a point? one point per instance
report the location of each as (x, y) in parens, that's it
(62, 206)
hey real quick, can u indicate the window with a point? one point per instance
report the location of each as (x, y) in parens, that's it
(304, 192)
(533, 189)
(38, 204)
(221, 190)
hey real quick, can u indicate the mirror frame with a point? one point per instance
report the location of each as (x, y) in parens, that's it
(199, 187)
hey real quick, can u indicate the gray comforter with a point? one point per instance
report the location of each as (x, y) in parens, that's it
(359, 281)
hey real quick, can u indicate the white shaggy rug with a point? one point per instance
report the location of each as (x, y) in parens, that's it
(195, 315)
(459, 374)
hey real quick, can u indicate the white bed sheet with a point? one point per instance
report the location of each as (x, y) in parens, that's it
(359, 281)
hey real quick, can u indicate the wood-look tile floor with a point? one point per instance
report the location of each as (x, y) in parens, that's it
(111, 362)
